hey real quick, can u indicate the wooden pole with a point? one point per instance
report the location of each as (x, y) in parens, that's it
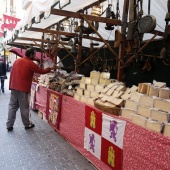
(78, 59)
(42, 44)
(123, 39)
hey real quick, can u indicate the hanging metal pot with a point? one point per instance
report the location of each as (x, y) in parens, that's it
(167, 33)
(167, 17)
(147, 23)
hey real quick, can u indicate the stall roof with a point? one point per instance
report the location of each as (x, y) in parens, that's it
(21, 53)
(46, 13)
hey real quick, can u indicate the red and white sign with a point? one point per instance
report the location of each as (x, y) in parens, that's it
(104, 137)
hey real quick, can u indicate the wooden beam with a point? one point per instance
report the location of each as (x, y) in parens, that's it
(158, 33)
(52, 32)
(20, 44)
(53, 41)
(133, 56)
(89, 17)
(36, 39)
(108, 46)
(92, 38)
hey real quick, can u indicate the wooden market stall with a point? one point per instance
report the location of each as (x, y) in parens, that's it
(117, 37)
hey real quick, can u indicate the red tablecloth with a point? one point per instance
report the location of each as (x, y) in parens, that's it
(72, 128)
(41, 99)
(143, 149)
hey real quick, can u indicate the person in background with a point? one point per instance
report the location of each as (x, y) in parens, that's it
(9, 66)
(2, 73)
(20, 86)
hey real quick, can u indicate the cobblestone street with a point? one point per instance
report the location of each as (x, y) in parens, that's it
(40, 148)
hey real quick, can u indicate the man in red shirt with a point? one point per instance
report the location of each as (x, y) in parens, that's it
(20, 85)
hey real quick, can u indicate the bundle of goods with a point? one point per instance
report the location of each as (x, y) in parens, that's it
(147, 109)
(44, 79)
(109, 99)
(112, 97)
(61, 81)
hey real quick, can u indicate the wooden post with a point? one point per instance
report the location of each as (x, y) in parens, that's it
(56, 52)
(122, 43)
(41, 61)
(78, 59)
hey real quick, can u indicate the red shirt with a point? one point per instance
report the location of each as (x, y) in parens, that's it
(22, 73)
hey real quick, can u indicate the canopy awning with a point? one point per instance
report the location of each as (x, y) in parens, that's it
(45, 13)
(21, 53)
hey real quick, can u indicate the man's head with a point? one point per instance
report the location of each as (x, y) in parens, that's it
(30, 52)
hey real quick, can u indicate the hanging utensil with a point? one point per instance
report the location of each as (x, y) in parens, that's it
(148, 22)
(167, 17)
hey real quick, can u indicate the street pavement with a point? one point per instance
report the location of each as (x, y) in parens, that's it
(40, 148)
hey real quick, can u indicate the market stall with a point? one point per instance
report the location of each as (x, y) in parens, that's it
(63, 100)
(142, 148)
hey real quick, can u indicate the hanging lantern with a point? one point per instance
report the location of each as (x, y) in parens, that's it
(109, 14)
(96, 11)
(108, 11)
(66, 23)
(70, 42)
(48, 36)
(74, 49)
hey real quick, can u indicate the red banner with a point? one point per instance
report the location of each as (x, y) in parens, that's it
(104, 137)
(93, 119)
(53, 113)
(111, 155)
(9, 22)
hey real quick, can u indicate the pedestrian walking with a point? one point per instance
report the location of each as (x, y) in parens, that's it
(20, 84)
(2, 73)
(9, 66)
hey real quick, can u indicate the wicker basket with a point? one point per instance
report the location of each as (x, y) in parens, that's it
(108, 109)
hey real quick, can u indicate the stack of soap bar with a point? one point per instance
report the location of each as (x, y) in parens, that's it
(127, 113)
(167, 129)
(139, 120)
(159, 116)
(143, 111)
(154, 125)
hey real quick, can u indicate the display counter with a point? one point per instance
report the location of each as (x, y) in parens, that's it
(142, 148)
